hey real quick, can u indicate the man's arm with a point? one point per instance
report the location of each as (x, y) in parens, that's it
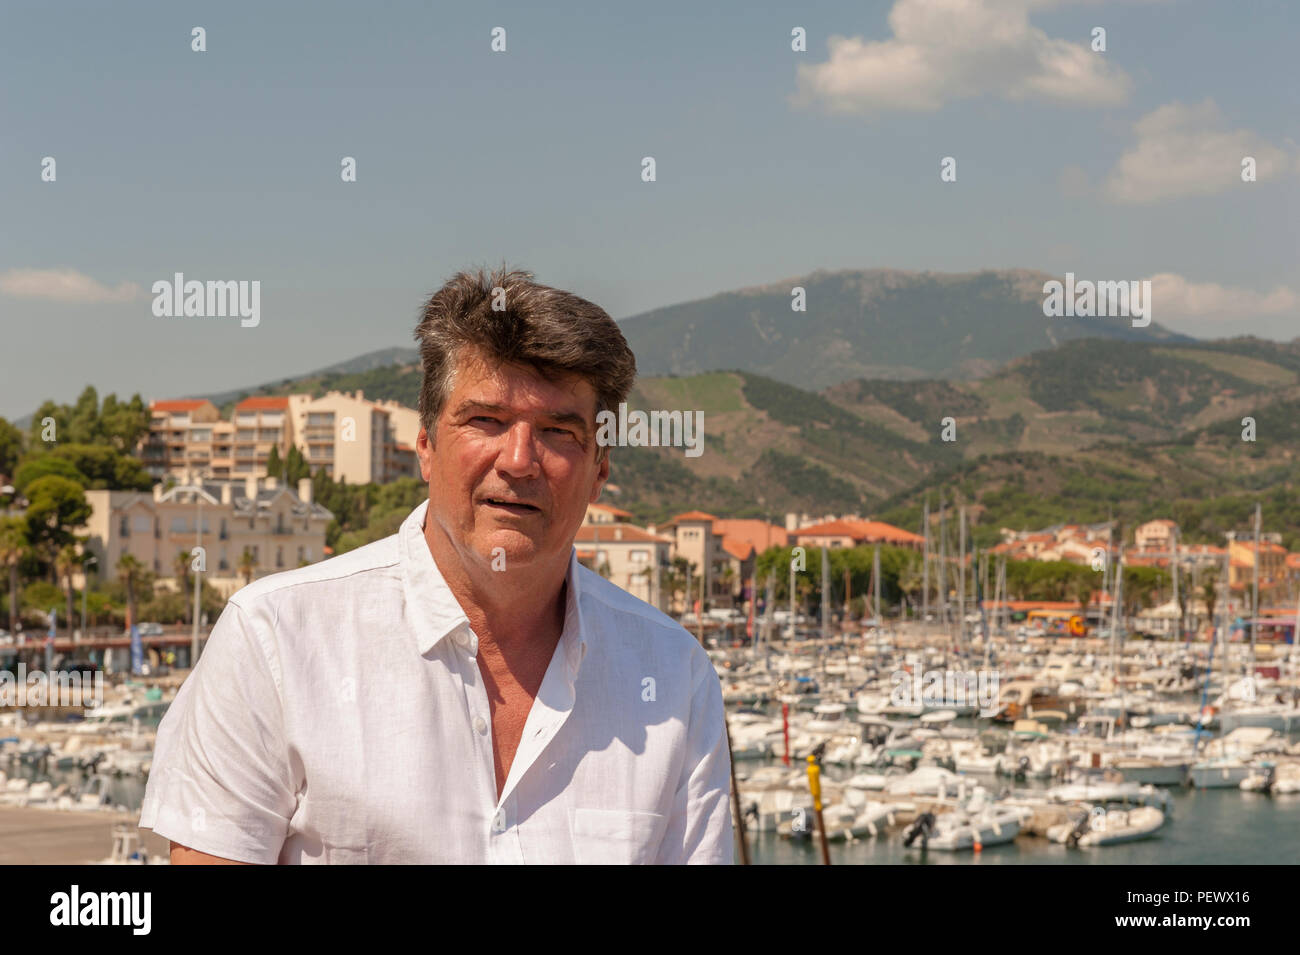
(700, 829)
(221, 788)
(181, 855)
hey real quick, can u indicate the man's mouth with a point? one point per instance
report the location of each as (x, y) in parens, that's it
(511, 506)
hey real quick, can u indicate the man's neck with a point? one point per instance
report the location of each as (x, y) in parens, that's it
(523, 608)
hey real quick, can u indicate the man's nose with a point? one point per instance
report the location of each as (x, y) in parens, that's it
(519, 456)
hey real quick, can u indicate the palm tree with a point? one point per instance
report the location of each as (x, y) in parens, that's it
(672, 581)
(1210, 594)
(13, 548)
(910, 578)
(725, 576)
(129, 571)
(66, 563)
(1083, 592)
(247, 565)
(182, 567)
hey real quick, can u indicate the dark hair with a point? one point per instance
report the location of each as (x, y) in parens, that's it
(554, 331)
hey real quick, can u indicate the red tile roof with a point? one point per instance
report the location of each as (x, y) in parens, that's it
(870, 531)
(264, 403)
(737, 548)
(610, 509)
(179, 404)
(692, 516)
(615, 534)
(758, 534)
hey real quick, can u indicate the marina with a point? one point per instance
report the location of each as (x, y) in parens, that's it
(1096, 751)
(1039, 749)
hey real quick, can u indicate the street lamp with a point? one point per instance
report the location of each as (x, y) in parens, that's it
(199, 495)
(85, 585)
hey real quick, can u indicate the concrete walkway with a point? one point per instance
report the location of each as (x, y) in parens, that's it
(50, 837)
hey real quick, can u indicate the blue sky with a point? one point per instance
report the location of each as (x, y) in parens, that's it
(770, 163)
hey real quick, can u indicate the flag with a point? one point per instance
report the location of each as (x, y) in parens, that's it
(137, 651)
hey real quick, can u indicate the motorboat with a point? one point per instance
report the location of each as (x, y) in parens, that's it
(1220, 772)
(1108, 827)
(977, 824)
(1152, 770)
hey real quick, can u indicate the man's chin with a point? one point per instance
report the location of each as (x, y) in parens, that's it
(507, 550)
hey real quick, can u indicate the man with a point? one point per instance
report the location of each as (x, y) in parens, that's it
(463, 691)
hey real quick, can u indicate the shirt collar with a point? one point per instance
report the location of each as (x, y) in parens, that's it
(435, 612)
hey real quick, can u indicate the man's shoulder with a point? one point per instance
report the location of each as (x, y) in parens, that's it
(370, 560)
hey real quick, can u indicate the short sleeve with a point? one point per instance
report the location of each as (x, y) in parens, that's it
(700, 829)
(221, 780)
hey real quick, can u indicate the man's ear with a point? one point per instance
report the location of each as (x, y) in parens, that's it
(602, 473)
(424, 451)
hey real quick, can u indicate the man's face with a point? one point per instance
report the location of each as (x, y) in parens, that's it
(512, 464)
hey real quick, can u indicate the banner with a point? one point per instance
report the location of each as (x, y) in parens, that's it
(137, 651)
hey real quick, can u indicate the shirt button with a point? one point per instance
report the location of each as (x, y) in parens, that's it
(461, 639)
(480, 724)
(499, 821)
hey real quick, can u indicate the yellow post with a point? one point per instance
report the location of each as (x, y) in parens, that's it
(815, 787)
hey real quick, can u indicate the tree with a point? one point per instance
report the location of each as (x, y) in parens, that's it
(104, 467)
(55, 506)
(247, 565)
(295, 467)
(11, 447)
(274, 467)
(123, 425)
(67, 563)
(1210, 594)
(182, 567)
(910, 578)
(35, 467)
(1083, 590)
(130, 571)
(14, 546)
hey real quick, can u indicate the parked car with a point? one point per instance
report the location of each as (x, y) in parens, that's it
(150, 629)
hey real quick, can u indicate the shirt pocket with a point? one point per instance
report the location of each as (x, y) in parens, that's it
(616, 836)
(346, 855)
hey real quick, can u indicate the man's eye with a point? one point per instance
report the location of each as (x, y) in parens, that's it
(484, 418)
(561, 431)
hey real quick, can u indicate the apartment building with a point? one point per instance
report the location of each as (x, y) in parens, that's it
(280, 528)
(1157, 535)
(352, 439)
(627, 556)
(731, 549)
(187, 434)
(261, 423)
(1241, 565)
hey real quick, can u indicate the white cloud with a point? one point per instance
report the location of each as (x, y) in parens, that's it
(64, 285)
(944, 50)
(1174, 297)
(1184, 150)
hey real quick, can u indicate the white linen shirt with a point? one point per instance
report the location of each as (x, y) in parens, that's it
(337, 715)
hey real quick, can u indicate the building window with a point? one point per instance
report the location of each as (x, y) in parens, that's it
(279, 557)
(124, 526)
(639, 556)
